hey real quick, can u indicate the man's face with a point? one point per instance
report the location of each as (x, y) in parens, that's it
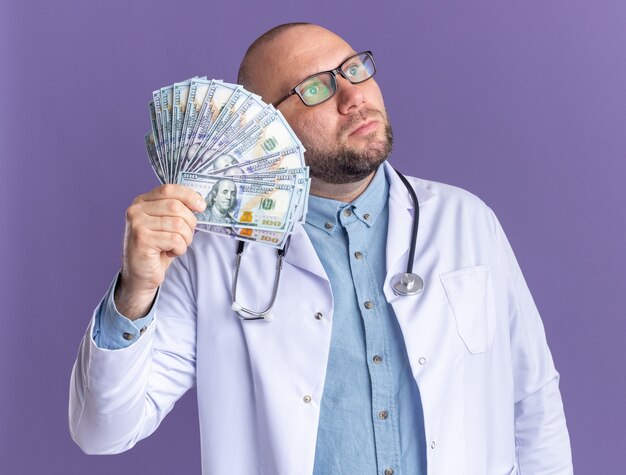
(346, 137)
(225, 196)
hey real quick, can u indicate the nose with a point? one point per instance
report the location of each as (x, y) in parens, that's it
(350, 97)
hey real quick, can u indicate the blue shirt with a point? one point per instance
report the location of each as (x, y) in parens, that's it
(371, 418)
(112, 330)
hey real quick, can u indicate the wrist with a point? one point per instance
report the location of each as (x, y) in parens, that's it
(132, 302)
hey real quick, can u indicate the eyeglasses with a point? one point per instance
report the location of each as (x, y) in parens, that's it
(322, 86)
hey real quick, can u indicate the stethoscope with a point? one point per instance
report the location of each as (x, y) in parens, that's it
(403, 284)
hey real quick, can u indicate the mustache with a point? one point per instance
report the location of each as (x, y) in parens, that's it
(359, 117)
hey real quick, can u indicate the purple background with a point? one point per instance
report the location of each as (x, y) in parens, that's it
(522, 103)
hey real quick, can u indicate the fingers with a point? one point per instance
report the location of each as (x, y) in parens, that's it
(171, 225)
(174, 244)
(139, 224)
(187, 196)
(169, 208)
(144, 245)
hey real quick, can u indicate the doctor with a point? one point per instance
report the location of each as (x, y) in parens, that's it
(348, 377)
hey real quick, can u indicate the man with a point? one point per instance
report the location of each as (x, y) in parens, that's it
(220, 201)
(348, 377)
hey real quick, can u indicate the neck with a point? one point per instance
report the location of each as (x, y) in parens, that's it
(346, 192)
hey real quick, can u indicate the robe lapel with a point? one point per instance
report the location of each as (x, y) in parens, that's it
(301, 253)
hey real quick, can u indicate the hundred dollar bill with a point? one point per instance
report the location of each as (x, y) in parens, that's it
(288, 158)
(271, 238)
(155, 135)
(270, 135)
(166, 121)
(235, 101)
(239, 97)
(246, 122)
(246, 203)
(216, 98)
(158, 110)
(217, 160)
(180, 96)
(198, 100)
(299, 177)
(284, 167)
(241, 117)
(153, 157)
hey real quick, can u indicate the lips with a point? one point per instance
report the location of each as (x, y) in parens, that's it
(365, 128)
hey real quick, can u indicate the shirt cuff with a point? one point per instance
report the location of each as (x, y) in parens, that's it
(112, 330)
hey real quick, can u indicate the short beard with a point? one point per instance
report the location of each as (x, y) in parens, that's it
(346, 165)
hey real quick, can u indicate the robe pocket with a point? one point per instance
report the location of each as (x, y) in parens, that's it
(470, 294)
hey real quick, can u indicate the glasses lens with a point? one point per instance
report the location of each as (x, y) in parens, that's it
(317, 88)
(359, 68)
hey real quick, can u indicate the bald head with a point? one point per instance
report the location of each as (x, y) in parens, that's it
(245, 76)
(271, 64)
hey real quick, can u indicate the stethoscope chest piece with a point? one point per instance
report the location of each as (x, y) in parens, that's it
(407, 283)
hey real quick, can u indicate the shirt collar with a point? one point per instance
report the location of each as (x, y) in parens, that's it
(323, 212)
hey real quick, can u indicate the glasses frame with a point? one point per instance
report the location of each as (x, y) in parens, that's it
(333, 73)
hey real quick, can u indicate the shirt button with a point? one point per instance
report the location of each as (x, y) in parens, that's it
(306, 399)
(358, 255)
(422, 361)
(347, 212)
(366, 216)
(377, 359)
(143, 329)
(328, 225)
(389, 471)
(128, 336)
(368, 304)
(383, 415)
(318, 315)
(433, 445)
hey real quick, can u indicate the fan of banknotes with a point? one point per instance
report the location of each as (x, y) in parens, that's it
(236, 151)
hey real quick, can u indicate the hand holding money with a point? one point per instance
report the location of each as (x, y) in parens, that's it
(159, 226)
(237, 152)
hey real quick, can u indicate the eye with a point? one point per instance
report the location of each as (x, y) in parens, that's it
(312, 91)
(315, 90)
(353, 71)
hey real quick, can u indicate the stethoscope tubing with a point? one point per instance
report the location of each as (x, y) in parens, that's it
(242, 311)
(416, 221)
(246, 314)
